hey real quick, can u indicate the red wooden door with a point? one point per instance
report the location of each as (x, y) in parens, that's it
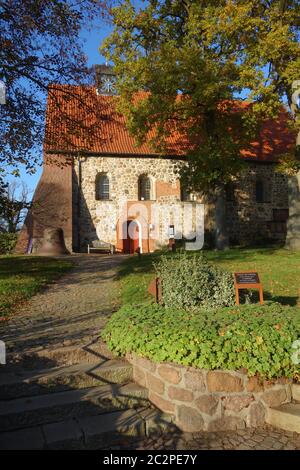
(131, 240)
(135, 240)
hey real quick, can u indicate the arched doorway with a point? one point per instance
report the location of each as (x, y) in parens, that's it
(132, 236)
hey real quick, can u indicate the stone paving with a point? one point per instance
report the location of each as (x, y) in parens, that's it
(70, 311)
(266, 438)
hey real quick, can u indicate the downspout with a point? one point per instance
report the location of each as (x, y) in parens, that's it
(78, 200)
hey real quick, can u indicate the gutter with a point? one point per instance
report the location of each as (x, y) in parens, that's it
(154, 155)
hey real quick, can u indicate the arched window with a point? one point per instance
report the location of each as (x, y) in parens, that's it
(144, 188)
(102, 187)
(259, 191)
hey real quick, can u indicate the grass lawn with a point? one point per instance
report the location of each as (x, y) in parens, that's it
(22, 276)
(279, 272)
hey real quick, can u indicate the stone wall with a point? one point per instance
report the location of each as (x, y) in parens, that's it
(248, 221)
(66, 199)
(209, 400)
(100, 219)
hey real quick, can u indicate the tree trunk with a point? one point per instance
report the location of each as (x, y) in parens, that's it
(293, 225)
(221, 233)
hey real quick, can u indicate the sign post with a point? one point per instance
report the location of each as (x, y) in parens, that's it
(247, 280)
(155, 289)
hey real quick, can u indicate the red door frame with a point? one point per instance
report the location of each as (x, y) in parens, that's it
(130, 245)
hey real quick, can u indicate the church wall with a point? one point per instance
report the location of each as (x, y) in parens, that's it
(101, 219)
(248, 221)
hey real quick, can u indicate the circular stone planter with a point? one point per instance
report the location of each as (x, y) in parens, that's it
(209, 400)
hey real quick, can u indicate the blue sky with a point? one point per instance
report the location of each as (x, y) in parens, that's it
(92, 40)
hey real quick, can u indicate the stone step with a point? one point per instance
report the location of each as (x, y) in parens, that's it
(91, 432)
(19, 383)
(53, 407)
(285, 417)
(296, 392)
(89, 353)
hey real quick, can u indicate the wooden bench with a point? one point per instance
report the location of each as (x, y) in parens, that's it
(99, 245)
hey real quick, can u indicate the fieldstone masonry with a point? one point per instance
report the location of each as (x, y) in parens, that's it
(252, 221)
(202, 400)
(248, 220)
(66, 198)
(100, 219)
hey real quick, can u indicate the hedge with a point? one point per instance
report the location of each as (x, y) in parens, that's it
(7, 242)
(190, 281)
(258, 338)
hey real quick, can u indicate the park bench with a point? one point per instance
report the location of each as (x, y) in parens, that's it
(100, 245)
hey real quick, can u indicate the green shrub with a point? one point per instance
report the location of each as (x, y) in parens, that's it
(190, 281)
(259, 338)
(7, 242)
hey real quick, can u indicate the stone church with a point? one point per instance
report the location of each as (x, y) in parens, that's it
(98, 184)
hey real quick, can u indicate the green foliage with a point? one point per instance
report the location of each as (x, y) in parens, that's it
(7, 242)
(189, 281)
(258, 338)
(210, 52)
(289, 165)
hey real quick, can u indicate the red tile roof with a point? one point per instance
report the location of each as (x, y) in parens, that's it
(78, 119)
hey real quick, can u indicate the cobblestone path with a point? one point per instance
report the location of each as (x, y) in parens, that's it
(70, 311)
(266, 438)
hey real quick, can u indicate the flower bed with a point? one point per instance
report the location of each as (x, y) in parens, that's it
(257, 338)
(214, 369)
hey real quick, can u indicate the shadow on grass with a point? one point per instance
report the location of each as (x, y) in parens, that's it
(269, 297)
(281, 299)
(144, 264)
(21, 277)
(21, 265)
(238, 254)
(136, 273)
(136, 264)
